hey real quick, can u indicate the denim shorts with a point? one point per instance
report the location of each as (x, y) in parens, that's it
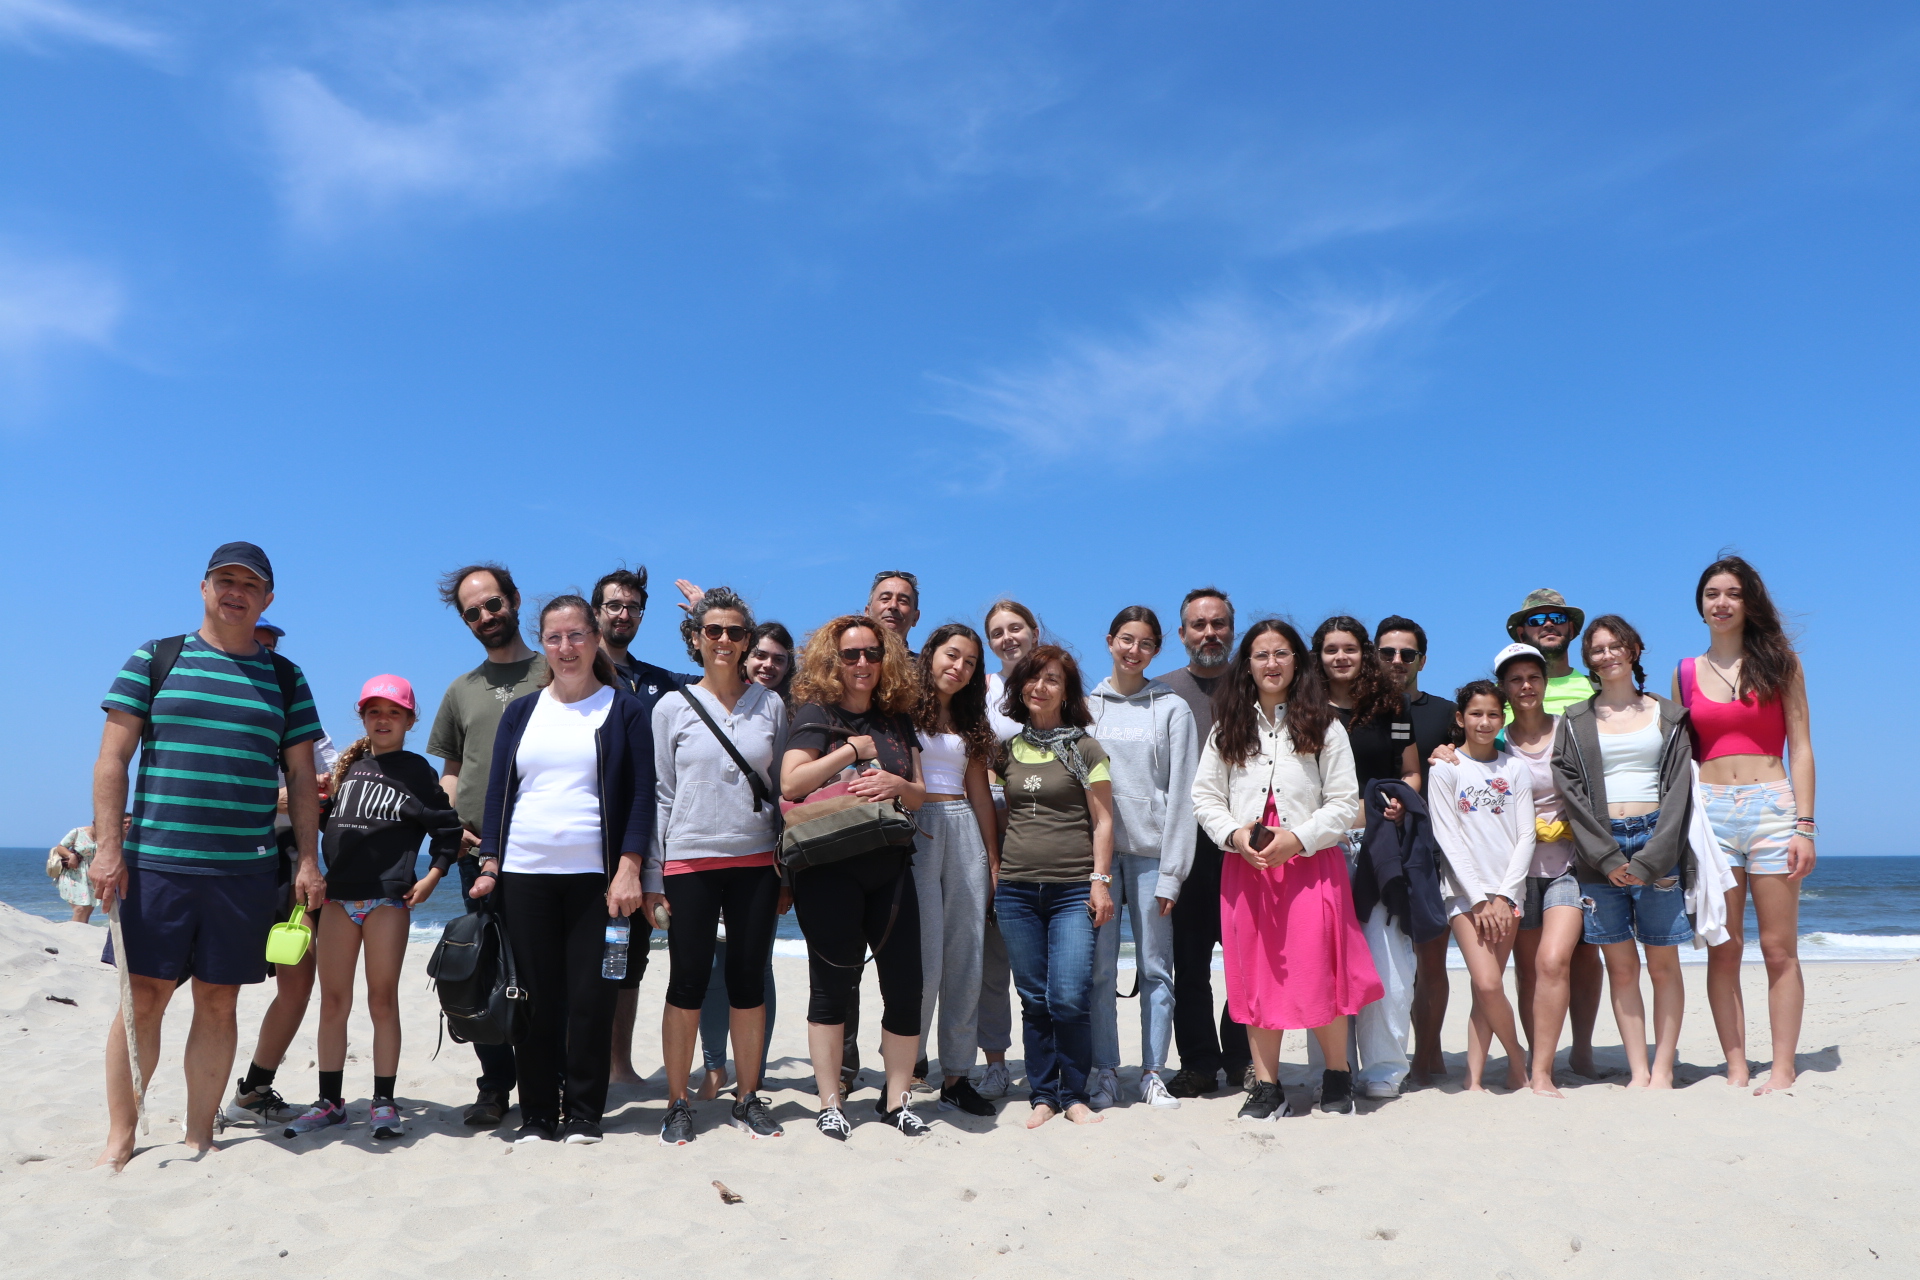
(1754, 823)
(1548, 891)
(1656, 916)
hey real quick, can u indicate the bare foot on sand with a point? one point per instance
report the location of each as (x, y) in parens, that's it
(1041, 1114)
(1081, 1113)
(623, 1076)
(710, 1087)
(1739, 1075)
(1775, 1083)
(119, 1150)
(1580, 1062)
(1516, 1078)
(1546, 1088)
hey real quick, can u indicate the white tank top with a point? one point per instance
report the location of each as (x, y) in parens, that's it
(943, 764)
(1632, 764)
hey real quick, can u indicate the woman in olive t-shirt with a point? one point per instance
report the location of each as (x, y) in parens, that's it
(1055, 861)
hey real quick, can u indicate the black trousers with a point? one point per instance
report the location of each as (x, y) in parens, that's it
(1196, 931)
(749, 899)
(558, 928)
(845, 907)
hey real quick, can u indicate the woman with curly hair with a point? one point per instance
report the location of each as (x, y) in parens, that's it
(1276, 788)
(854, 692)
(715, 831)
(956, 854)
(1746, 699)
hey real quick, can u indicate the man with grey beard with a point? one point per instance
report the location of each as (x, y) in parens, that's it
(1206, 629)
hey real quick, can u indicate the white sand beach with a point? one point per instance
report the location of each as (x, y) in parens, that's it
(1702, 1181)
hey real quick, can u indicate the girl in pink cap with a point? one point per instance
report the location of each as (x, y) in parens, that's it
(384, 800)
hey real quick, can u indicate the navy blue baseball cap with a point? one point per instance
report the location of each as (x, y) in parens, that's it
(244, 554)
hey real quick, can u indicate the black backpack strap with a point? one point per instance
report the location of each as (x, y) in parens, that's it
(289, 677)
(762, 793)
(165, 653)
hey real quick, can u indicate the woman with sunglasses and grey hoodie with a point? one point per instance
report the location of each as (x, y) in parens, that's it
(1153, 749)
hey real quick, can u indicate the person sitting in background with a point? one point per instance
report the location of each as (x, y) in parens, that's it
(67, 864)
(382, 802)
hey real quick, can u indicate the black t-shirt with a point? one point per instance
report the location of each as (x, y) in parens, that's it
(1377, 744)
(648, 682)
(375, 821)
(893, 736)
(1432, 725)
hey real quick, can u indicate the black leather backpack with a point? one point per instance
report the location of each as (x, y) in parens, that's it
(481, 999)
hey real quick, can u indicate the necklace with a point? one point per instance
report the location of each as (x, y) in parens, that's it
(1732, 688)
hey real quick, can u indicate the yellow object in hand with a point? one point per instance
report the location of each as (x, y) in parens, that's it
(1551, 831)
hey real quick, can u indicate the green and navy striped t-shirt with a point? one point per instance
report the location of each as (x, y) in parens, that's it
(209, 778)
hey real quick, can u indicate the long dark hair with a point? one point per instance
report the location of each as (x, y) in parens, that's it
(1073, 703)
(1236, 702)
(781, 636)
(1623, 632)
(1375, 691)
(969, 705)
(1768, 662)
(602, 664)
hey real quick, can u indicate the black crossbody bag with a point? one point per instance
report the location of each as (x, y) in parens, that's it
(762, 791)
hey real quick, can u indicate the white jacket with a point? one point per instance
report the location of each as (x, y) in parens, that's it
(1318, 797)
(1712, 875)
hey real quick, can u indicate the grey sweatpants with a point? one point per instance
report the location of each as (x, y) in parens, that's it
(950, 877)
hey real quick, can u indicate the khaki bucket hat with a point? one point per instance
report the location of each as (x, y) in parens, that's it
(1542, 599)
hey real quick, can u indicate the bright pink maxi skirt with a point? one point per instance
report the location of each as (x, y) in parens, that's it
(1295, 956)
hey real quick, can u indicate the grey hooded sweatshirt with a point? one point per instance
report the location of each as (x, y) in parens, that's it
(1153, 751)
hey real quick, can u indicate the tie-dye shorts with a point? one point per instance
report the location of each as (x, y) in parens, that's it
(1754, 822)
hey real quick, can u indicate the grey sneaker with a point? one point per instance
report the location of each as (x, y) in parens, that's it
(321, 1115)
(995, 1081)
(385, 1119)
(261, 1106)
(1104, 1089)
(677, 1129)
(752, 1115)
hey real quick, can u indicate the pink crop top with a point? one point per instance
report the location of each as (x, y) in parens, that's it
(1748, 727)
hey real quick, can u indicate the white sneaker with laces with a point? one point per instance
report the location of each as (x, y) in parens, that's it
(1378, 1089)
(1154, 1093)
(994, 1081)
(1104, 1088)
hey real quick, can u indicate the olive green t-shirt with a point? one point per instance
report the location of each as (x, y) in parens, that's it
(1049, 826)
(464, 727)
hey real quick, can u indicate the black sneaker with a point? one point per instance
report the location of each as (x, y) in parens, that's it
(833, 1123)
(677, 1129)
(1336, 1093)
(579, 1133)
(259, 1106)
(487, 1111)
(1265, 1101)
(1188, 1083)
(962, 1096)
(535, 1131)
(752, 1114)
(902, 1117)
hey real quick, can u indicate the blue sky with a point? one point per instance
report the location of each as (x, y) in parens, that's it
(1363, 308)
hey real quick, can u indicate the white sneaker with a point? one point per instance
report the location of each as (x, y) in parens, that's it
(1104, 1088)
(1377, 1089)
(994, 1081)
(1154, 1093)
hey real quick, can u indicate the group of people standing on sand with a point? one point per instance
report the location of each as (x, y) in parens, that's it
(1302, 805)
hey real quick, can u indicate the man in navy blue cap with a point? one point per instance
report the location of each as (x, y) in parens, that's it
(214, 716)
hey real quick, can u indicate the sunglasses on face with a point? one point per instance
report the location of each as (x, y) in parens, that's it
(633, 607)
(713, 631)
(492, 604)
(853, 657)
(1555, 618)
(1391, 654)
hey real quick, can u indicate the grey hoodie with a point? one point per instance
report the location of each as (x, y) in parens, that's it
(1153, 751)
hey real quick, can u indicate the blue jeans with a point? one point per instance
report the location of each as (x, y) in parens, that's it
(716, 1014)
(1134, 880)
(1049, 939)
(1654, 914)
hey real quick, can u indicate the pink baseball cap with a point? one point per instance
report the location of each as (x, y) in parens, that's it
(392, 688)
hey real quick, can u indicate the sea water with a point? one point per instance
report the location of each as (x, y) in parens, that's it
(1865, 908)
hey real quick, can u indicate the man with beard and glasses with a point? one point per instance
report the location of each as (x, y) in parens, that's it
(1206, 629)
(462, 739)
(619, 603)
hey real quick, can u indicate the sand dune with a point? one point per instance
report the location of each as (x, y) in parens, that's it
(1703, 1181)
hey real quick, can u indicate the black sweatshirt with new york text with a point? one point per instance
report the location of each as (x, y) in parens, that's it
(376, 819)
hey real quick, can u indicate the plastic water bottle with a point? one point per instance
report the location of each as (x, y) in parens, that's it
(613, 961)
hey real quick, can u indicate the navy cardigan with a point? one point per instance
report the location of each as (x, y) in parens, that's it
(624, 745)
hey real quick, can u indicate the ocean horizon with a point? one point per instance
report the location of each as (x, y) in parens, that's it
(1855, 907)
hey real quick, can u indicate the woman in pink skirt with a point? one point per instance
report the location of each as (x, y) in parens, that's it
(1276, 786)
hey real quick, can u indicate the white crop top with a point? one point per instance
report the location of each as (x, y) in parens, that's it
(943, 764)
(1632, 764)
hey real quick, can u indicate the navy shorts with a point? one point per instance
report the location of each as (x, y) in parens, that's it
(214, 928)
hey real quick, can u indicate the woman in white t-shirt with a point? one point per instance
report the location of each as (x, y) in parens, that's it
(956, 851)
(569, 820)
(1481, 805)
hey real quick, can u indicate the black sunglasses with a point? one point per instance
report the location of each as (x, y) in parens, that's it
(1391, 654)
(872, 653)
(1556, 618)
(713, 631)
(492, 604)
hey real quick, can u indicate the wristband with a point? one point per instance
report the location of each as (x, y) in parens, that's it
(1097, 878)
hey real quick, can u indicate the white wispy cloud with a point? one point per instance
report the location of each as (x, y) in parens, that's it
(49, 305)
(36, 24)
(482, 103)
(1225, 363)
